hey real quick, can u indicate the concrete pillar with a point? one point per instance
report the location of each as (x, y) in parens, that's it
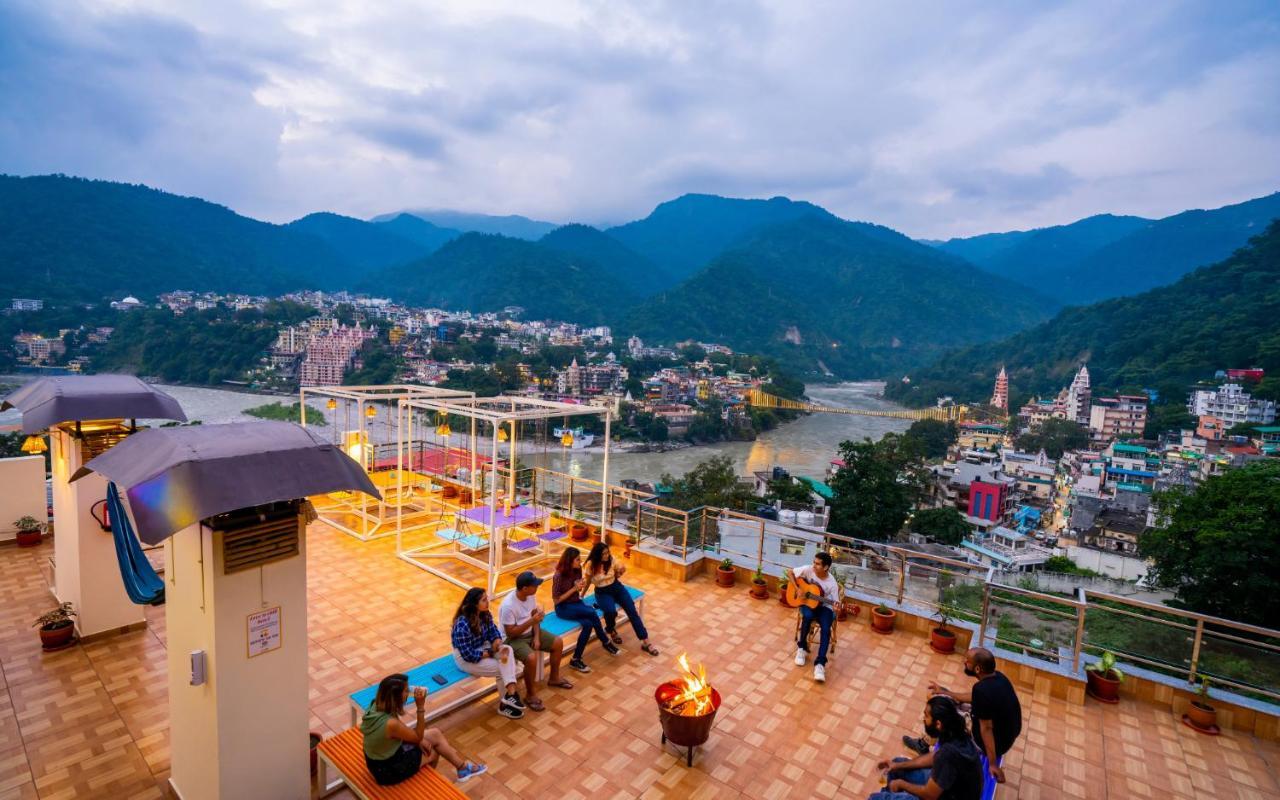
(86, 572)
(243, 733)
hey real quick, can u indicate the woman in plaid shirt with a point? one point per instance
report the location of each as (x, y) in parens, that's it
(478, 650)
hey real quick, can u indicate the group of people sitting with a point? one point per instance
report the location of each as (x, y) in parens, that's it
(395, 751)
(954, 757)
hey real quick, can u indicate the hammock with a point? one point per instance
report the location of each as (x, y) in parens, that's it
(141, 583)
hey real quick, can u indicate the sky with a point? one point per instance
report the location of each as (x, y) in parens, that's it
(937, 119)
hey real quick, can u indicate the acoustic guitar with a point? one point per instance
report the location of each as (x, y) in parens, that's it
(805, 593)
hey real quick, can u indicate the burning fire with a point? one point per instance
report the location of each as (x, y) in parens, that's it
(694, 696)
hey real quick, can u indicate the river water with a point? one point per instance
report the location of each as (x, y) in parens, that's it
(804, 447)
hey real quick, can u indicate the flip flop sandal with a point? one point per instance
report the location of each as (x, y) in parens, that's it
(650, 649)
(614, 637)
(560, 684)
(534, 704)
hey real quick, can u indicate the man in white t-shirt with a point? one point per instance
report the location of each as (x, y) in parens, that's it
(518, 620)
(819, 573)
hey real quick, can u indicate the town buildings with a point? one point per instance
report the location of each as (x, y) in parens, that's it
(1000, 396)
(1120, 417)
(1231, 404)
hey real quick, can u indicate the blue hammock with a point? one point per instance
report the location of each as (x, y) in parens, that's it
(141, 583)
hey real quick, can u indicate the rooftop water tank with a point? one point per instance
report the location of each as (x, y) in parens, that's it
(805, 518)
(786, 515)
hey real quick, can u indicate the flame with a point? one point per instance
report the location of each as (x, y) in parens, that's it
(694, 698)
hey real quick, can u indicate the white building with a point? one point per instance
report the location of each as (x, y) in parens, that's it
(1231, 404)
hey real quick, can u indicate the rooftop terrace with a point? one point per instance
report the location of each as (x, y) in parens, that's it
(93, 721)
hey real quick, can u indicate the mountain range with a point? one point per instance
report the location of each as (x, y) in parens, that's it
(1218, 316)
(776, 276)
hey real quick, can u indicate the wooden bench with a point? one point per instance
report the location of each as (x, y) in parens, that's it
(447, 668)
(344, 754)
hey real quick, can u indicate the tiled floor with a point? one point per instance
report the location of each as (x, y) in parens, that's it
(93, 721)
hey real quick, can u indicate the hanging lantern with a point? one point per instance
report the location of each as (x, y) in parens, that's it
(502, 434)
(567, 438)
(370, 412)
(331, 404)
(34, 445)
(443, 428)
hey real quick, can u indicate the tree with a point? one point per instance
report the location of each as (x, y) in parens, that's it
(876, 488)
(934, 436)
(1054, 436)
(713, 482)
(943, 525)
(1167, 417)
(1218, 547)
(788, 490)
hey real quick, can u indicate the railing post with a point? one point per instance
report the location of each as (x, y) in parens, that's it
(1195, 652)
(684, 545)
(1079, 644)
(982, 622)
(760, 547)
(571, 498)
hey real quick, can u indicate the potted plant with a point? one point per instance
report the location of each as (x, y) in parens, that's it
(1201, 715)
(725, 573)
(57, 628)
(1104, 679)
(759, 589)
(783, 583)
(842, 613)
(628, 545)
(29, 531)
(942, 639)
(882, 619)
(578, 530)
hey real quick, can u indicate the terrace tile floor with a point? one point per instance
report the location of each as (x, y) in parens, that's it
(92, 721)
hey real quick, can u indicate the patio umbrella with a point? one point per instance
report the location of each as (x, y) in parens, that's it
(48, 401)
(177, 476)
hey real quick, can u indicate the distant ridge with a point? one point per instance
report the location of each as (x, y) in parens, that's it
(512, 225)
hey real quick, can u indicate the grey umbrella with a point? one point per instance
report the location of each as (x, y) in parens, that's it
(47, 401)
(178, 476)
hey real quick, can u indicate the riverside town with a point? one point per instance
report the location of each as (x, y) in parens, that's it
(620, 401)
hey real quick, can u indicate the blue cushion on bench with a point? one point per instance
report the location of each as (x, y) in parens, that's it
(420, 676)
(556, 626)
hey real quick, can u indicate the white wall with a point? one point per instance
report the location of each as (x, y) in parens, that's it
(24, 493)
(1111, 564)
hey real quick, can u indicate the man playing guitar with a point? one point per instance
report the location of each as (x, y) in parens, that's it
(815, 583)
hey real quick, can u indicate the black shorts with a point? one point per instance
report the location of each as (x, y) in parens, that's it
(402, 765)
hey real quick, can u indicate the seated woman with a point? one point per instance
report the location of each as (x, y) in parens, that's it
(567, 588)
(478, 650)
(393, 751)
(611, 593)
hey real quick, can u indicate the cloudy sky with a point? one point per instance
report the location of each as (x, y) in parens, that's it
(937, 119)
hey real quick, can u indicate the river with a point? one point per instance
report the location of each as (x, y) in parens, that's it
(805, 447)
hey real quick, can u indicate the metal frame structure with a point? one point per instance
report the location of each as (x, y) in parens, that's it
(494, 489)
(371, 515)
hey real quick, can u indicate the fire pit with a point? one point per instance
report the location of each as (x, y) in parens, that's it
(687, 708)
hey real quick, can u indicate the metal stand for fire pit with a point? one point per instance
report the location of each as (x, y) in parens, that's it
(684, 730)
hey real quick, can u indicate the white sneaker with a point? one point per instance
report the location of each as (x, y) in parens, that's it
(820, 673)
(801, 655)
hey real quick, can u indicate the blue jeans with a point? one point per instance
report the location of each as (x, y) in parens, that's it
(608, 598)
(917, 776)
(824, 616)
(580, 612)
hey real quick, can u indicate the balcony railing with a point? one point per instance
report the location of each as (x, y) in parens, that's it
(1051, 628)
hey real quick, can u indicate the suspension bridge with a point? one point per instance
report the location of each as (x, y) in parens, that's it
(762, 399)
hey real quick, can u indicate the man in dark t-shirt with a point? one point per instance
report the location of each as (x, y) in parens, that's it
(994, 707)
(951, 772)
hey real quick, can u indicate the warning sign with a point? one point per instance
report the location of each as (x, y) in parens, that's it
(264, 631)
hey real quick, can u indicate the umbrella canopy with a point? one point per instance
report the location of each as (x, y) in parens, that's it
(178, 476)
(69, 398)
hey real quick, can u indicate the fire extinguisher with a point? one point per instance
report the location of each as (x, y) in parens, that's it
(102, 517)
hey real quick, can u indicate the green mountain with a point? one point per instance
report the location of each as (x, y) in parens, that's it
(76, 239)
(485, 272)
(1108, 256)
(415, 229)
(682, 235)
(637, 273)
(513, 225)
(858, 299)
(1219, 316)
(1030, 257)
(362, 244)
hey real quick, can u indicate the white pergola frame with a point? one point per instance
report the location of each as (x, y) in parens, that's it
(496, 412)
(372, 512)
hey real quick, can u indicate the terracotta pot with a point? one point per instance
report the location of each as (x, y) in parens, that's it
(464, 496)
(449, 491)
(1202, 717)
(782, 597)
(315, 761)
(58, 636)
(882, 621)
(725, 576)
(578, 532)
(942, 640)
(1102, 687)
(594, 535)
(627, 545)
(28, 538)
(759, 590)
